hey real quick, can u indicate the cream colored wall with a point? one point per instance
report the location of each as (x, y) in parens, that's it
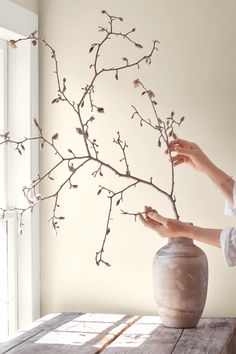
(32, 5)
(194, 74)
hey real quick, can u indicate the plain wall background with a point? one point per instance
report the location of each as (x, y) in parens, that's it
(194, 74)
(32, 5)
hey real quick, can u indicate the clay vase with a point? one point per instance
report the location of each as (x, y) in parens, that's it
(180, 278)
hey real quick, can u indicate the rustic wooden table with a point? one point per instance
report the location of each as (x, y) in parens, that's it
(108, 334)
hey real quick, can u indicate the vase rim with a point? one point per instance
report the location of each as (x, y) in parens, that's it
(180, 239)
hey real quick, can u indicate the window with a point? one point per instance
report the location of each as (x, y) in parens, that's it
(8, 277)
(8, 229)
(19, 255)
(3, 115)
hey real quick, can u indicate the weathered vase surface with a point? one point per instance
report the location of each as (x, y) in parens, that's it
(180, 277)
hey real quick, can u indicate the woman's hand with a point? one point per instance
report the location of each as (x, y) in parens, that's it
(190, 153)
(174, 228)
(163, 226)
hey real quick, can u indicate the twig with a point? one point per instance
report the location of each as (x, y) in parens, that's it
(163, 128)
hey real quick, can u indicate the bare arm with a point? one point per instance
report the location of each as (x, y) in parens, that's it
(190, 153)
(166, 227)
(202, 234)
(224, 182)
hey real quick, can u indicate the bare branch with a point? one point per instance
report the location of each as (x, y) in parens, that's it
(111, 196)
(123, 147)
(164, 128)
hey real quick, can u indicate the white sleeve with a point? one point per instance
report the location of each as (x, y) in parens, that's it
(229, 208)
(228, 245)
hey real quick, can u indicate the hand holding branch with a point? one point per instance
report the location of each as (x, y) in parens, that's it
(166, 227)
(190, 153)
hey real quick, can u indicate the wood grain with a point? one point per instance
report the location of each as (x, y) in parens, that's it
(38, 326)
(83, 333)
(72, 333)
(147, 336)
(212, 335)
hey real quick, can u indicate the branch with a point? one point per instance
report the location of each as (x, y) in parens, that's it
(119, 142)
(163, 128)
(99, 255)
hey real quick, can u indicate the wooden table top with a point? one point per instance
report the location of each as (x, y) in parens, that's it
(93, 333)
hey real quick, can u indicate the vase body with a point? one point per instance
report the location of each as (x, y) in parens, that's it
(180, 279)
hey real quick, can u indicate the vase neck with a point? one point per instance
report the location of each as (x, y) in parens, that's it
(184, 240)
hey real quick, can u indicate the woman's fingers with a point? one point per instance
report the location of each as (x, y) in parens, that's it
(180, 142)
(178, 159)
(181, 146)
(148, 222)
(143, 220)
(156, 217)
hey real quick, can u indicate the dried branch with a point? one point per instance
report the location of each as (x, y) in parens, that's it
(111, 196)
(123, 146)
(163, 128)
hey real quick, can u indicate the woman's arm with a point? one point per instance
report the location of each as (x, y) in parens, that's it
(166, 227)
(226, 238)
(187, 152)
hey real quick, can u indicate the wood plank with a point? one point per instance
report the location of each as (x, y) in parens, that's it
(146, 336)
(212, 335)
(87, 334)
(47, 322)
(113, 334)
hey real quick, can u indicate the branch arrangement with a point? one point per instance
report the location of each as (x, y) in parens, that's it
(164, 130)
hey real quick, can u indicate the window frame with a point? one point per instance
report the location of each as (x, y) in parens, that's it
(17, 22)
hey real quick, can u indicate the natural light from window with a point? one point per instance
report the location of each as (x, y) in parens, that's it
(3, 235)
(98, 330)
